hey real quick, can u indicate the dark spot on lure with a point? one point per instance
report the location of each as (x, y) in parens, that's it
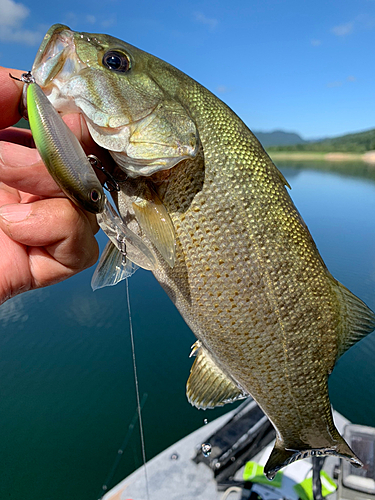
(95, 196)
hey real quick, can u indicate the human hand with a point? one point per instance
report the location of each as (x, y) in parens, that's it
(44, 237)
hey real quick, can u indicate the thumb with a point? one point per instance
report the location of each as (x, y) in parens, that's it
(16, 212)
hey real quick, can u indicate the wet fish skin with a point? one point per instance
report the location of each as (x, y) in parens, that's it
(247, 277)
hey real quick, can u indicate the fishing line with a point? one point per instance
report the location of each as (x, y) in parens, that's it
(121, 450)
(137, 388)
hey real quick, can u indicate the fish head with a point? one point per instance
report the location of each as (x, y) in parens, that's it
(115, 86)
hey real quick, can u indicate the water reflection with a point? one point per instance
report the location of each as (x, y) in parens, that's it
(360, 169)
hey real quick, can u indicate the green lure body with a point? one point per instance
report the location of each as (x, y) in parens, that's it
(62, 153)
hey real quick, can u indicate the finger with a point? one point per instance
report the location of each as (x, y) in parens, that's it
(59, 238)
(21, 136)
(23, 169)
(11, 91)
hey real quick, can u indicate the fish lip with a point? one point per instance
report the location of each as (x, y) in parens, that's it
(57, 46)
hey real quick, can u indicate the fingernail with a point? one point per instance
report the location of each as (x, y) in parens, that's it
(15, 213)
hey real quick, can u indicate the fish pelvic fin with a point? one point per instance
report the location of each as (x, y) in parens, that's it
(281, 457)
(357, 319)
(112, 268)
(208, 386)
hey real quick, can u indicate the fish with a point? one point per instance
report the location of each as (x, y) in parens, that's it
(233, 253)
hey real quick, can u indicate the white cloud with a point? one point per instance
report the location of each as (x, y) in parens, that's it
(73, 20)
(12, 16)
(91, 19)
(70, 18)
(222, 89)
(108, 22)
(23, 36)
(343, 29)
(332, 85)
(210, 22)
(316, 43)
(351, 78)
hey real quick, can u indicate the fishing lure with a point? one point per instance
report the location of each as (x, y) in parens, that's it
(62, 153)
(73, 171)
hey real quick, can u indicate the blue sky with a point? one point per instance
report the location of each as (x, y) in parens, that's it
(303, 66)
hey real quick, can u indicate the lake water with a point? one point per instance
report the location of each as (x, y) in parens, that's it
(67, 391)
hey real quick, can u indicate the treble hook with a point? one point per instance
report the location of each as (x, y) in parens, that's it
(25, 77)
(112, 184)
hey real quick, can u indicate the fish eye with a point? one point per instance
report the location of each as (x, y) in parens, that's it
(116, 61)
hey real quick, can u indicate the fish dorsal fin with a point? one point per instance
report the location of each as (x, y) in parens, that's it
(155, 222)
(357, 319)
(208, 386)
(112, 267)
(282, 178)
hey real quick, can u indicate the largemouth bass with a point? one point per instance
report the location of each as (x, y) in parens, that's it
(233, 252)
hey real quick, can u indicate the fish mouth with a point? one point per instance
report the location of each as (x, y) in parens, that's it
(55, 53)
(58, 69)
(55, 64)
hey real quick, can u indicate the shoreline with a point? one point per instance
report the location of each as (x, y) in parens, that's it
(368, 157)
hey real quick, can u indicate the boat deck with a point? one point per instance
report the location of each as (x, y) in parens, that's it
(174, 475)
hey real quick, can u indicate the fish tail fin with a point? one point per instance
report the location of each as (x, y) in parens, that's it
(280, 456)
(343, 450)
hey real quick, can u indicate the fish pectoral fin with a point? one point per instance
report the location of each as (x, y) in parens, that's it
(112, 268)
(357, 319)
(280, 456)
(155, 222)
(208, 386)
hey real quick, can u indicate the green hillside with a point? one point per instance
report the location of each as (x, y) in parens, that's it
(278, 138)
(350, 143)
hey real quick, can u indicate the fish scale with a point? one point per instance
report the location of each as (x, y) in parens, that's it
(245, 274)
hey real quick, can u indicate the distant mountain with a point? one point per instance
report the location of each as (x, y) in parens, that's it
(278, 138)
(359, 142)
